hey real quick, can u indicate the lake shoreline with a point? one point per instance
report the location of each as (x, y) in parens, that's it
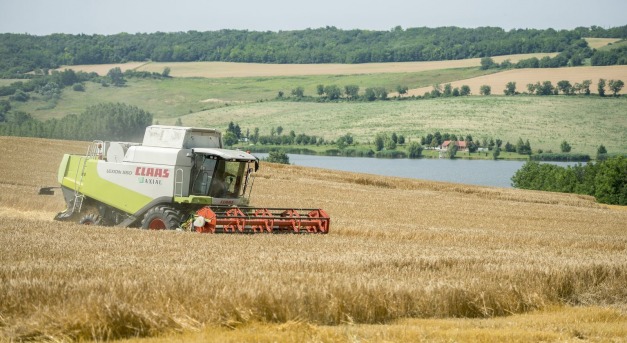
(393, 154)
(465, 171)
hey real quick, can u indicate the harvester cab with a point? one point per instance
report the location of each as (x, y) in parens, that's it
(175, 176)
(225, 178)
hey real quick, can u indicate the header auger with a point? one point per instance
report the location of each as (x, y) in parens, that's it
(178, 178)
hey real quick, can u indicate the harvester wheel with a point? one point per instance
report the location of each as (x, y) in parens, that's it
(161, 218)
(90, 219)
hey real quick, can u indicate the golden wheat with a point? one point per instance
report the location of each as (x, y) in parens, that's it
(523, 77)
(551, 325)
(231, 69)
(397, 249)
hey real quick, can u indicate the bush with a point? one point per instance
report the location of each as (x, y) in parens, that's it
(610, 182)
(415, 150)
(357, 152)
(560, 157)
(20, 96)
(565, 147)
(390, 154)
(278, 156)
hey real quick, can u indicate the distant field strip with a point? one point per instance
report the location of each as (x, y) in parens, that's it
(522, 77)
(230, 69)
(596, 43)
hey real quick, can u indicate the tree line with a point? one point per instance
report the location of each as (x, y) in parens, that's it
(106, 121)
(566, 88)
(606, 180)
(353, 92)
(234, 134)
(386, 145)
(22, 53)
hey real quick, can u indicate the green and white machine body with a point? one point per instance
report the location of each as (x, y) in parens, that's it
(175, 169)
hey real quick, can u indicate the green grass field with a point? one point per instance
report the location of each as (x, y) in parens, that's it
(174, 97)
(585, 122)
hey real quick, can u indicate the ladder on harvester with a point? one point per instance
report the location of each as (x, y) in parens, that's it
(178, 182)
(95, 151)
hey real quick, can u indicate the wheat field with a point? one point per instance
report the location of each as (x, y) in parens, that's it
(523, 77)
(400, 252)
(233, 69)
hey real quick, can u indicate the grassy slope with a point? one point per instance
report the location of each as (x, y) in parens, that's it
(179, 96)
(614, 45)
(599, 43)
(546, 121)
(397, 249)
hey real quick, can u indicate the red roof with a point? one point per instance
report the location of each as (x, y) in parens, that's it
(460, 144)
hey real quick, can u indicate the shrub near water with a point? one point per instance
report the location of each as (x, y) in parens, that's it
(606, 180)
(560, 157)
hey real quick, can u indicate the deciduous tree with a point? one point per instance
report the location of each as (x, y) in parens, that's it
(601, 87)
(401, 89)
(332, 92)
(510, 88)
(278, 156)
(487, 63)
(565, 87)
(116, 76)
(351, 91)
(298, 92)
(451, 150)
(565, 147)
(616, 86)
(415, 150)
(320, 90)
(229, 138)
(379, 142)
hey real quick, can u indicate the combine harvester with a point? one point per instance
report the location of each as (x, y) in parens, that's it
(178, 178)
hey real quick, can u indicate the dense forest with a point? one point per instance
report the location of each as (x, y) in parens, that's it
(23, 53)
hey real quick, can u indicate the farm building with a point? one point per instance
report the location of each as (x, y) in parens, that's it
(461, 145)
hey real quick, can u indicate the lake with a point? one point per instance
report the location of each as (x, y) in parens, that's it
(474, 172)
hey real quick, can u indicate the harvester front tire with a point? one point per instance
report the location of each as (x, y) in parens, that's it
(90, 219)
(161, 218)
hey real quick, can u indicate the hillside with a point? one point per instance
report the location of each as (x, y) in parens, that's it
(215, 93)
(587, 122)
(398, 249)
